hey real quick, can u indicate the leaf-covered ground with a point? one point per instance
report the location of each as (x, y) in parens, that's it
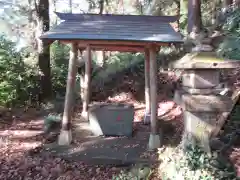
(22, 134)
(20, 159)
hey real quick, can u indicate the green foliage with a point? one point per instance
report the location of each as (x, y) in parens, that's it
(195, 158)
(59, 65)
(51, 121)
(195, 164)
(229, 48)
(119, 62)
(231, 25)
(17, 80)
(124, 176)
(136, 173)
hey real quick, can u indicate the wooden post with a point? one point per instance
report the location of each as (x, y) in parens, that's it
(87, 82)
(82, 73)
(65, 136)
(154, 139)
(147, 88)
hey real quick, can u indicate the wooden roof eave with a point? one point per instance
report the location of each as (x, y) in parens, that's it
(121, 46)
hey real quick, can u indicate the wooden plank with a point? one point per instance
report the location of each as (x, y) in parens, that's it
(153, 90)
(65, 136)
(147, 86)
(72, 71)
(85, 43)
(81, 62)
(115, 48)
(87, 82)
(224, 116)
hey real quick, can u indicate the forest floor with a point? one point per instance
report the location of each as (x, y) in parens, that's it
(22, 138)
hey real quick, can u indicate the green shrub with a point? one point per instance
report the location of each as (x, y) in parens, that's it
(17, 80)
(229, 48)
(195, 164)
(59, 65)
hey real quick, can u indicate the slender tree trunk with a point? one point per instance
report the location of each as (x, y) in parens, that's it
(236, 3)
(101, 6)
(42, 8)
(101, 55)
(194, 16)
(178, 12)
(214, 12)
(227, 3)
(107, 7)
(70, 6)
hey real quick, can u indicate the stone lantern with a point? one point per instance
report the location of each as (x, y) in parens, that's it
(200, 95)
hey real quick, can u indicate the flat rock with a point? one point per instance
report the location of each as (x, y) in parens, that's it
(216, 144)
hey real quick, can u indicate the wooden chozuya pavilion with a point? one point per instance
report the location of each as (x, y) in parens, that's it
(124, 33)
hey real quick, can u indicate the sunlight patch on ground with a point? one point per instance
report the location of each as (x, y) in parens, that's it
(20, 133)
(13, 146)
(168, 110)
(235, 158)
(26, 124)
(125, 98)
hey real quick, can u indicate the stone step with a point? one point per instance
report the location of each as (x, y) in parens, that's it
(201, 79)
(192, 91)
(212, 91)
(205, 103)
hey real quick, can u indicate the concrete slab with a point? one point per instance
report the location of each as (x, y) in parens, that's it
(102, 150)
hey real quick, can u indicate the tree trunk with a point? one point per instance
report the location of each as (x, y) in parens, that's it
(101, 55)
(214, 12)
(154, 8)
(70, 6)
(178, 13)
(42, 8)
(227, 3)
(194, 16)
(101, 6)
(237, 3)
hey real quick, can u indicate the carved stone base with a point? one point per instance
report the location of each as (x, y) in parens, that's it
(189, 139)
(65, 137)
(198, 127)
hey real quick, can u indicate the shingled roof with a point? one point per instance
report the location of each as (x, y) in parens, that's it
(114, 27)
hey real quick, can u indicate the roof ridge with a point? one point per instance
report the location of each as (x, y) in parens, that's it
(118, 17)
